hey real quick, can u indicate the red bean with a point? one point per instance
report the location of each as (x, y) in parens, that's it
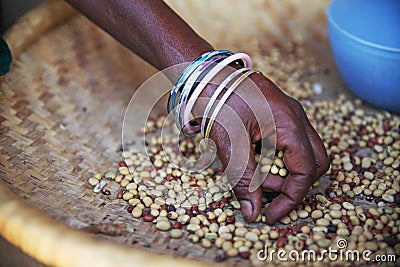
(281, 241)
(245, 255)
(106, 192)
(148, 218)
(230, 219)
(120, 193)
(177, 225)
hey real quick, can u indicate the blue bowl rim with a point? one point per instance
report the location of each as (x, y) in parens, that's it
(355, 38)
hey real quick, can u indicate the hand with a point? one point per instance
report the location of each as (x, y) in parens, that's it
(304, 153)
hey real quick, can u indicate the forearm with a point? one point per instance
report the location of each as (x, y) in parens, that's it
(150, 29)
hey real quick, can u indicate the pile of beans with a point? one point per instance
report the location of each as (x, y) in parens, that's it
(360, 205)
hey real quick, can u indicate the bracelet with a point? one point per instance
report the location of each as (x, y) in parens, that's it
(188, 71)
(224, 98)
(192, 83)
(187, 111)
(216, 94)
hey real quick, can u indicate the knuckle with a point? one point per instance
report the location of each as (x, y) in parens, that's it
(295, 105)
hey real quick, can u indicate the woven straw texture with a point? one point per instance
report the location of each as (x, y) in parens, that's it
(62, 108)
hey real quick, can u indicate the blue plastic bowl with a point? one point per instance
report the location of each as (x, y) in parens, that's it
(365, 40)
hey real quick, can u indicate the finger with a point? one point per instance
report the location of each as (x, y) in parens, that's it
(320, 155)
(300, 162)
(240, 167)
(272, 183)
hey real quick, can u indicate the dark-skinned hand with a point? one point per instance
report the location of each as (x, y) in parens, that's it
(304, 153)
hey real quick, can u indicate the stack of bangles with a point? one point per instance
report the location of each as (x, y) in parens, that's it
(196, 76)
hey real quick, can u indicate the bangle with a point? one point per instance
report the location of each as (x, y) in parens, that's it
(223, 100)
(187, 111)
(188, 71)
(216, 94)
(192, 83)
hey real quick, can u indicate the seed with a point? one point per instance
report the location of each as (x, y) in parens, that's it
(388, 161)
(371, 246)
(302, 214)
(332, 228)
(316, 214)
(274, 169)
(106, 192)
(235, 204)
(293, 215)
(214, 227)
(251, 236)
(265, 168)
(336, 214)
(222, 217)
(127, 196)
(317, 229)
(281, 241)
(348, 206)
(230, 219)
(109, 175)
(177, 225)
(285, 220)
(366, 163)
(176, 233)
(223, 229)
(232, 252)
(137, 212)
(148, 218)
(322, 222)
(245, 255)
(193, 238)
(378, 193)
(388, 198)
(240, 231)
(193, 227)
(272, 235)
(99, 186)
(163, 225)
(323, 243)
(227, 245)
(348, 166)
(93, 181)
(205, 243)
(369, 175)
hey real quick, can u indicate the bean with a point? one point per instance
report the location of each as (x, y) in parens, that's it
(232, 252)
(272, 235)
(176, 233)
(302, 214)
(348, 206)
(163, 225)
(316, 214)
(93, 181)
(137, 212)
(240, 231)
(388, 198)
(251, 236)
(193, 238)
(322, 222)
(336, 214)
(99, 186)
(205, 243)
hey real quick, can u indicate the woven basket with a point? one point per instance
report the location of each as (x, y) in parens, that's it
(62, 108)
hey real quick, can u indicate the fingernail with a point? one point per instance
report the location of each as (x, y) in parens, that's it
(247, 209)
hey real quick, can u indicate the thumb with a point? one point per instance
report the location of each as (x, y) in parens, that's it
(237, 156)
